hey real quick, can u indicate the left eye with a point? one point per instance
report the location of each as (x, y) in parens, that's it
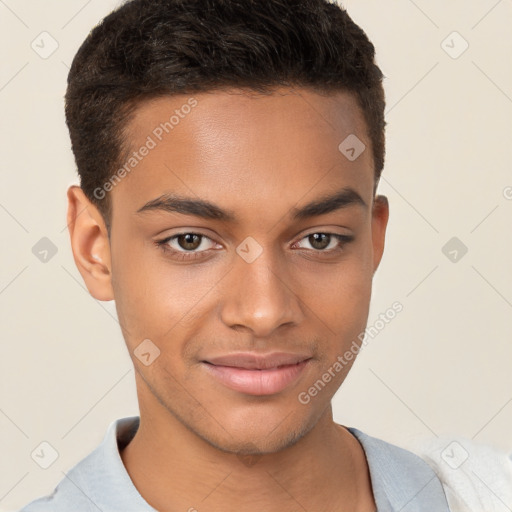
(326, 241)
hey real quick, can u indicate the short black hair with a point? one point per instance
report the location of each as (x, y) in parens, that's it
(150, 48)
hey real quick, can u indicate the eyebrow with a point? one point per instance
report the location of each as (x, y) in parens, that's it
(201, 208)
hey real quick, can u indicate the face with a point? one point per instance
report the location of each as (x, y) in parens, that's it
(242, 228)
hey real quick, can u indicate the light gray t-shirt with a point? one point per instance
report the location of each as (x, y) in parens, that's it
(401, 480)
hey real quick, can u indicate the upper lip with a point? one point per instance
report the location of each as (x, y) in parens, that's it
(257, 361)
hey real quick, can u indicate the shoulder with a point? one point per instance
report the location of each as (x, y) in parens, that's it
(401, 480)
(63, 499)
(76, 489)
(475, 476)
(72, 492)
(99, 481)
(391, 460)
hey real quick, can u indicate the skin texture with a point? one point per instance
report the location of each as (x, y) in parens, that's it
(259, 156)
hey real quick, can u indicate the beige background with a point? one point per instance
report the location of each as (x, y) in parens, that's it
(441, 367)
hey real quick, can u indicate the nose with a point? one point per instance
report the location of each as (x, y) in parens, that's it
(259, 296)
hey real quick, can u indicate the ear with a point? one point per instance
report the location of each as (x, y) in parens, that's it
(90, 244)
(380, 216)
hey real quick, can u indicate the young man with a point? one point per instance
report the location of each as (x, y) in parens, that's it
(229, 153)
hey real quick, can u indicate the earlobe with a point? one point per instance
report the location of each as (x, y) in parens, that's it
(380, 216)
(90, 244)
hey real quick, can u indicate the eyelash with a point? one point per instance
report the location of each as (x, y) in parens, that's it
(190, 255)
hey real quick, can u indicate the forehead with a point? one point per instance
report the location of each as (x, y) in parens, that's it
(244, 149)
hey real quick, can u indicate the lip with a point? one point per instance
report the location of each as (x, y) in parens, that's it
(257, 361)
(257, 374)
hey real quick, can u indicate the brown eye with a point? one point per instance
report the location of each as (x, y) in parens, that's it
(186, 246)
(325, 243)
(319, 240)
(189, 241)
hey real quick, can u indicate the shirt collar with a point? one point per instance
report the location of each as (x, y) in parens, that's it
(401, 480)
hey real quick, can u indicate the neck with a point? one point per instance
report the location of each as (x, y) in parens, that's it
(174, 469)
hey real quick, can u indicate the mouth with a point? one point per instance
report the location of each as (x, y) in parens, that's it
(253, 375)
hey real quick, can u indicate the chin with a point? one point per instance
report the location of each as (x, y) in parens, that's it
(258, 438)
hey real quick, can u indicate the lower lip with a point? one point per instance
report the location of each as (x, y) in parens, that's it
(257, 382)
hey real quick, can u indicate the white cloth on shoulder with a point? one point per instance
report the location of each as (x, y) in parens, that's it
(476, 477)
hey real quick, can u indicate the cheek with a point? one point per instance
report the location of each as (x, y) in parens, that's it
(154, 298)
(141, 291)
(341, 303)
(339, 291)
